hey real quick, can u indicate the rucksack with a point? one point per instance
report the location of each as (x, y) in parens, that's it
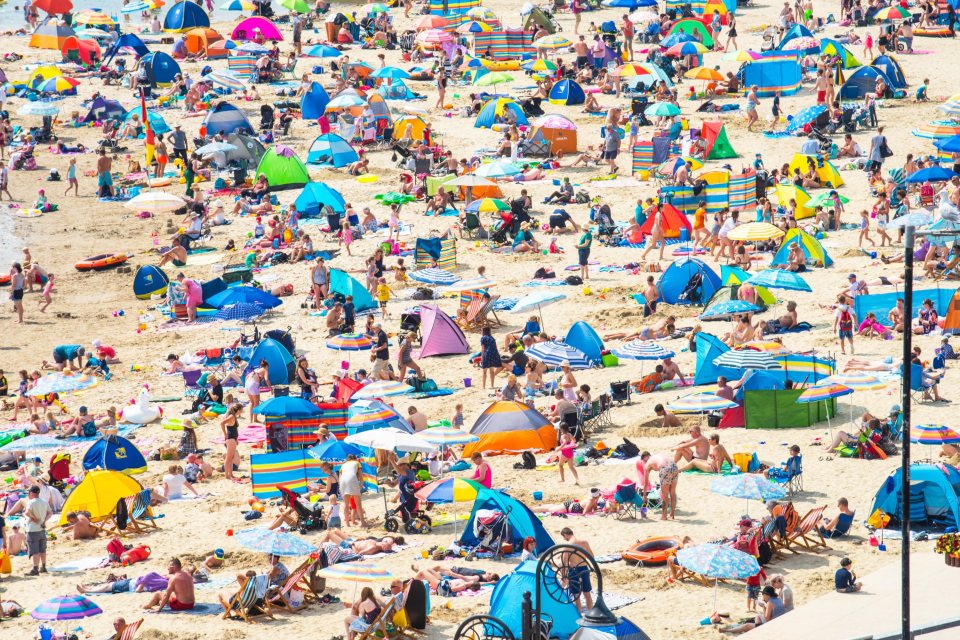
(423, 293)
(527, 461)
(582, 197)
(574, 280)
(121, 514)
(544, 273)
(846, 321)
(628, 449)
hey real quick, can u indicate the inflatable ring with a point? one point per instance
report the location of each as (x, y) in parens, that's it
(652, 551)
(103, 261)
(172, 424)
(28, 213)
(506, 65)
(367, 179)
(159, 182)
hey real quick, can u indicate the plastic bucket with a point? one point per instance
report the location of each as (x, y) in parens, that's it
(467, 382)
(684, 235)
(538, 495)
(643, 175)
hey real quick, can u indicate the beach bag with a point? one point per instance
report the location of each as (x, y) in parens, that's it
(574, 280)
(121, 515)
(582, 197)
(885, 151)
(846, 320)
(423, 293)
(5, 565)
(742, 461)
(627, 449)
(544, 273)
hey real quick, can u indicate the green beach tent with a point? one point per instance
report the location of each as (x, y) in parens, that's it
(283, 169)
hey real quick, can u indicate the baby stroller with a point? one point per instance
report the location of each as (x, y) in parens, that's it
(267, 117)
(414, 520)
(492, 530)
(307, 519)
(531, 107)
(620, 392)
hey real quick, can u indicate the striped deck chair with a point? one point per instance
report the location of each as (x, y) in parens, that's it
(130, 631)
(467, 298)
(743, 190)
(807, 534)
(297, 579)
(381, 622)
(242, 66)
(643, 156)
(250, 601)
(139, 514)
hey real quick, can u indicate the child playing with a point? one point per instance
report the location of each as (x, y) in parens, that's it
(72, 182)
(346, 236)
(843, 322)
(883, 217)
(753, 589)
(23, 401)
(333, 519)
(871, 327)
(865, 229)
(46, 296)
(554, 247)
(383, 296)
(394, 222)
(921, 94)
(457, 421)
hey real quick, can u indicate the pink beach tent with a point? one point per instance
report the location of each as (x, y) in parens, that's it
(440, 334)
(247, 29)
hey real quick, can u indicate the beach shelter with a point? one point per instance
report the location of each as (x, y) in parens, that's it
(314, 102)
(695, 28)
(673, 281)
(249, 149)
(317, 195)
(567, 92)
(226, 118)
(330, 150)
(284, 170)
(892, 69)
(718, 144)
(82, 51)
(508, 594)
(784, 193)
(951, 323)
(343, 284)
(861, 82)
(248, 29)
(812, 249)
(539, 18)
(291, 469)
(441, 250)
(50, 34)
(507, 426)
(98, 494)
(673, 222)
(733, 276)
(280, 361)
(833, 48)
(728, 293)
(199, 40)
(114, 453)
(129, 41)
(552, 135)
(796, 367)
(796, 31)
(778, 71)
(150, 280)
(396, 90)
(582, 336)
(183, 16)
(416, 124)
(523, 522)
(934, 496)
(828, 174)
(439, 334)
(493, 111)
(161, 68)
(103, 109)
(380, 109)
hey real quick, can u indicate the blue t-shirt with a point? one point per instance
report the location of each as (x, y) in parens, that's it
(67, 351)
(843, 579)
(639, 216)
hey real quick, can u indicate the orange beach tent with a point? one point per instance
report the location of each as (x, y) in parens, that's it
(50, 34)
(507, 426)
(673, 222)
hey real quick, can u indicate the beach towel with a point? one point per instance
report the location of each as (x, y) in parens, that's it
(725, 470)
(436, 393)
(199, 609)
(81, 564)
(616, 601)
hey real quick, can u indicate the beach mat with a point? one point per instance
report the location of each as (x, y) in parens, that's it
(616, 601)
(725, 470)
(199, 609)
(436, 393)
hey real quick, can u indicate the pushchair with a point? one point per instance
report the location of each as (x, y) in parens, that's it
(693, 291)
(267, 117)
(531, 107)
(414, 519)
(492, 530)
(620, 392)
(307, 519)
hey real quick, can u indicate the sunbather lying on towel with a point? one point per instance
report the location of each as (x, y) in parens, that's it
(448, 583)
(365, 546)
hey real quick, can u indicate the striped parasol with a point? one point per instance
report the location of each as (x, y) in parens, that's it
(686, 49)
(700, 403)
(450, 490)
(447, 436)
(434, 275)
(474, 26)
(933, 434)
(274, 542)
(66, 608)
(747, 359)
(555, 354)
(952, 106)
(488, 205)
(893, 12)
(821, 392)
(802, 44)
(856, 380)
(642, 350)
(382, 389)
(755, 232)
(434, 36)
(749, 486)
(497, 168)
(771, 347)
(717, 561)
(350, 342)
(633, 70)
(375, 414)
(356, 572)
(937, 129)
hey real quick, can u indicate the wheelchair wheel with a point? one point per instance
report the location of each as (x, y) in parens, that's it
(391, 525)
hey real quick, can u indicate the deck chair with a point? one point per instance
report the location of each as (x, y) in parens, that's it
(381, 623)
(779, 541)
(807, 534)
(249, 602)
(486, 311)
(471, 225)
(139, 514)
(296, 579)
(191, 380)
(683, 574)
(130, 631)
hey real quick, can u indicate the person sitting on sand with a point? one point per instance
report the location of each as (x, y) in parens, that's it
(592, 504)
(176, 254)
(673, 567)
(696, 448)
(715, 459)
(845, 580)
(80, 526)
(671, 370)
(668, 419)
(179, 593)
(772, 608)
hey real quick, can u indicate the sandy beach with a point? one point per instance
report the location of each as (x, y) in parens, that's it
(86, 306)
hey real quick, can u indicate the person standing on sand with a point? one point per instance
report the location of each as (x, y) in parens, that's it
(17, 281)
(36, 513)
(5, 181)
(72, 182)
(578, 571)
(669, 475)
(104, 175)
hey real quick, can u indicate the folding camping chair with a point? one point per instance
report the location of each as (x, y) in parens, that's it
(471, 225)
(191, 378)
(250, 601)
(790, 476)
(629, 501)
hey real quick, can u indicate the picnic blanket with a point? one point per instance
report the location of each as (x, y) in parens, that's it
(436, 393)
(199, 609)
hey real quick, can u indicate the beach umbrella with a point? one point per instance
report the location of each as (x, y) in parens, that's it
(243, 311)
(942, 228)
(215, 147)
(390, 438)
(893, 12)
(225, 78)
(473, 284)
(276, 542)
(537, 300)
(434, 275)
(779, 279)
(356, 572)
(803, 44)
(642, 350)
(749, 486)
(702, 402)
(553, 41)
(287, 407)
(250, 295)
(493, 78)
(350, 342)
(135, 7)
(630, 5)
(744, 55)
(96, 34)
(432, 22)
(298, 6)
(474, 26)
(53, 6)
(346, 101)
(93, 18)
(334, 451)
(824, 199)
(633, 70)
(382, 389)
(447, 436)
(951, 144)
(393, 73)
(703, 73)
(936, 173)
(238, 5)
(434, 36)
(57, 84)
(755, 232)
(365, 415)
(377, 7)
(450, 490)
(662, 110)
(729, 307)
(686, 49)
(323, 51)
(155, 201)
(951, 106)
(822, 393)
(497, 169)
(66, 608)
(470, 180)
(933, 434)
(488, 205)
(554, 353)
(937, 129)
(856, 380)
(63, 383)
(541, 64)
(747, 359)
(915, 219)
(553, 121)
(718, 561)
(38, 109)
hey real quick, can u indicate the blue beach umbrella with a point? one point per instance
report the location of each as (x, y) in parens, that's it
(324, 51)
(239, 311)
(554, 353)
(365, 415)
(288, 407)
(729, 307)
(749, 486)
(250, 295)
(433, 275)
(915, 219)
(677, 38)
(393, 73)
(334, 451)
(951, 144)
(936, 173)
(275, 543)
(38, 109)
(779, 279)
(718, 561)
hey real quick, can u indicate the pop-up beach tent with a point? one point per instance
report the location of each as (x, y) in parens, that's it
(507, 426)
(829, 175)
(103, 109)
(523, 522)
(114, 453)
(342, 283)
(891, 67)
(718, 144)
(674, 280)
(279, 360)
(439, 334)
(861, 82)
(98, 494)
(508, 594)
(317, 195)
(161, 68)
(673, 222)
(582, 336)
(283, 169)
(183, 16)
(314, 102)
(225, 119)
(148, 281)
(934, 496)
(330, 150)
(796, 367)
(567, 92)
(495, 108)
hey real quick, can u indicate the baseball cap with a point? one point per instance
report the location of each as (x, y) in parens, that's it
(746, 522)
(851, 275)
(218, 553)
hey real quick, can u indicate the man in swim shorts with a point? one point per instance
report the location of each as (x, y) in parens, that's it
(578, 572)
(179, 594)
(696, 448)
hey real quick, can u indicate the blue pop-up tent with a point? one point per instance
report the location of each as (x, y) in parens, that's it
(317, 195)
(184, 16)
(778, 71)
(314, 102)
(226, 118)
(330, 150)
(126, 41)
(508, 594)
(279, 361)
(934, 496)
(674, 280)
(114, 453)
(344, 284)
(161, 68)
(102, 109)
(863, 81)
(567, 92)
(523, 523)
(891, 67)
(582, 336)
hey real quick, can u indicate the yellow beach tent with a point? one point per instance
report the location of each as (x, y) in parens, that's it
(98, 494)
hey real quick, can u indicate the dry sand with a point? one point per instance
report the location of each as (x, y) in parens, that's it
(84, 226)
